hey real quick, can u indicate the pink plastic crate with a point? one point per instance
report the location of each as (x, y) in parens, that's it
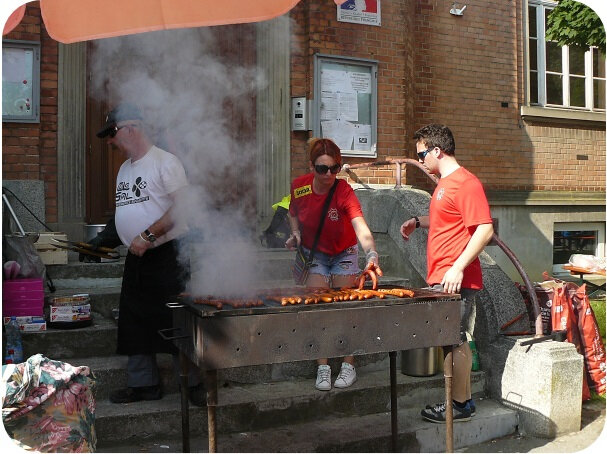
(22, 297)
(22, 285)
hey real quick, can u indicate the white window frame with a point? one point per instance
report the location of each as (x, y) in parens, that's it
(557, 268)
(541, 7)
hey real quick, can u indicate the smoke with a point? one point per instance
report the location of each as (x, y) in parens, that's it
(199, 104)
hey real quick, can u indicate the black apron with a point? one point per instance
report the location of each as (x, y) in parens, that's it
(147, 284)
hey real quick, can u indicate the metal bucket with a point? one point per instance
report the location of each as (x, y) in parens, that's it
(420, 362)
(92, 230)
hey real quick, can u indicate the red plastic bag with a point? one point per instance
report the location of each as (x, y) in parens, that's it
(592, 345)
(564, 317)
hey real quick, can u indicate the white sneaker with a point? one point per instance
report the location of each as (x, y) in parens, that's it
(323, 377)
(347, 376)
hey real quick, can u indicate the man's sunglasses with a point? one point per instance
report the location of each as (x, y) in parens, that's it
(422, 154)
(115, 130)
(322, 169)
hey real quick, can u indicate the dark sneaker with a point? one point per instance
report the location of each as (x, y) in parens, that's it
(437, 413)
(128, 395)
(469, 402)
(198, 395)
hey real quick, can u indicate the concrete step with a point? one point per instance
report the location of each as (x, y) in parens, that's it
(98, 339)
(102, 299)
(86, 275)
(276, 263)
(264, 406)
(334, 433)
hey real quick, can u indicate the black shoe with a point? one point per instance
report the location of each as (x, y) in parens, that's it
(469, 402)
(438, 413)
(198, 395)
(127, 395)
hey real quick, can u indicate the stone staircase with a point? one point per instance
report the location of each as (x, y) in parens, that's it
(261, 408)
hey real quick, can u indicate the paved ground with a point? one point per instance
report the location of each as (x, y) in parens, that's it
(592, 437)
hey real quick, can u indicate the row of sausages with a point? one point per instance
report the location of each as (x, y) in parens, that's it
(309, 296)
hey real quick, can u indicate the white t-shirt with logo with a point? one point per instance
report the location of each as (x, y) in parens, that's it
(142, 193)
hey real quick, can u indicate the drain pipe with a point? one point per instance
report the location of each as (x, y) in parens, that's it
(539, 330)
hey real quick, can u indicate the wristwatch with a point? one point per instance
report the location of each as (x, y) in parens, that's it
(417, 223)
(150, 236)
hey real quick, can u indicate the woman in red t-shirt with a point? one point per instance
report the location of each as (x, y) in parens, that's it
(335, 261)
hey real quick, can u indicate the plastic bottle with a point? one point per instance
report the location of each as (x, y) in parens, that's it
(14, 346)
(475, 359)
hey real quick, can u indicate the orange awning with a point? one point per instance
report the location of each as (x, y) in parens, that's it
(71, 21)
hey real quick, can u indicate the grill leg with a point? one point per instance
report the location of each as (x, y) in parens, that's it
(211, 385)
(185, 410)
(448, 366)
(393, 401)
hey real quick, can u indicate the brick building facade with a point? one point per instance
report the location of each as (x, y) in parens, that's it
(469, 72)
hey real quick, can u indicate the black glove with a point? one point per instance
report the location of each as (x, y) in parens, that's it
(108, 237)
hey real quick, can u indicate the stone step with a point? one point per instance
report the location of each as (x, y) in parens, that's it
(110, 371)
(98, 339)
(262, 406)
(102, 299)
(272, 262)
(364, 433)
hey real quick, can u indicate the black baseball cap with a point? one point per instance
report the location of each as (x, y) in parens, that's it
(122, 112)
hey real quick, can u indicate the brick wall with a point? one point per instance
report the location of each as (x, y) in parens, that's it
(317, 31)
(466, 72)
(29, 150)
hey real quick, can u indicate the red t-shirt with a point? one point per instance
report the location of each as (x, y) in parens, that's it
(457, 207)
(337, 232)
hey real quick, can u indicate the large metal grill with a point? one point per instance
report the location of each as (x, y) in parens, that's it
(272, 333)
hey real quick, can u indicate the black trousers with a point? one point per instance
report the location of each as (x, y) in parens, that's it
(147, 284)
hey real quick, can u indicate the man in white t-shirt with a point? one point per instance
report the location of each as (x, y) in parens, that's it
(147, 186)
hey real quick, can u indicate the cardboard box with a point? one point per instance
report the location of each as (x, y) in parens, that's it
(65, 317)
(26, 319)
(33, 327)
(50, 254)
(81, 309)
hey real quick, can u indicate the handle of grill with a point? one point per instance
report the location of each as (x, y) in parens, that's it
(170, 338)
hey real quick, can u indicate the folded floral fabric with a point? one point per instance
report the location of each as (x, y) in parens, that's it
(49, 406)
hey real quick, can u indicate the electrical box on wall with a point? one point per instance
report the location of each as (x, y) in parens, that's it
(299, 114)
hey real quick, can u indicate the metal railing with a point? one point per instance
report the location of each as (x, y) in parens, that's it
(400, 163)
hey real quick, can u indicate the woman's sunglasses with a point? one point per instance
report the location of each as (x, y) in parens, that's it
(322, 169)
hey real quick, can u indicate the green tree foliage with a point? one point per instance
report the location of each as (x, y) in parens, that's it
(573, 23)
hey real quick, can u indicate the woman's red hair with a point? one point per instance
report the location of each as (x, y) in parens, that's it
(319, 147)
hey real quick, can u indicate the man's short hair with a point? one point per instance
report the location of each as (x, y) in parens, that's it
(435, 135)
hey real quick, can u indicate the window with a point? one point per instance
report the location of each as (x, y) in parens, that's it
(565, 76)
(20, 81)
(576, 238)
(345, 107)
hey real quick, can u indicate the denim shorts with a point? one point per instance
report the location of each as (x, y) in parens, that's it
(467, 310)
(345, 263)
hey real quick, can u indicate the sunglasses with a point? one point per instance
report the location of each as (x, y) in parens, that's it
(422, 154)
(322, 169)
(115, 130)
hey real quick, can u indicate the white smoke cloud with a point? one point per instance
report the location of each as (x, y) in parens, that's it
(184, 87)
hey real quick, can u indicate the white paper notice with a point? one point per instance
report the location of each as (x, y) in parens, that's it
(339, 131)
(335, 81)
(360, 82)
(348, 107)
(329, 105)
(362, 137)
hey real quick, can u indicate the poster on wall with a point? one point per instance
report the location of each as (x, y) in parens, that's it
(366, 12)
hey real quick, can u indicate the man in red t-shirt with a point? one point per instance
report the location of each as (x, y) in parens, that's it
(459, 227)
